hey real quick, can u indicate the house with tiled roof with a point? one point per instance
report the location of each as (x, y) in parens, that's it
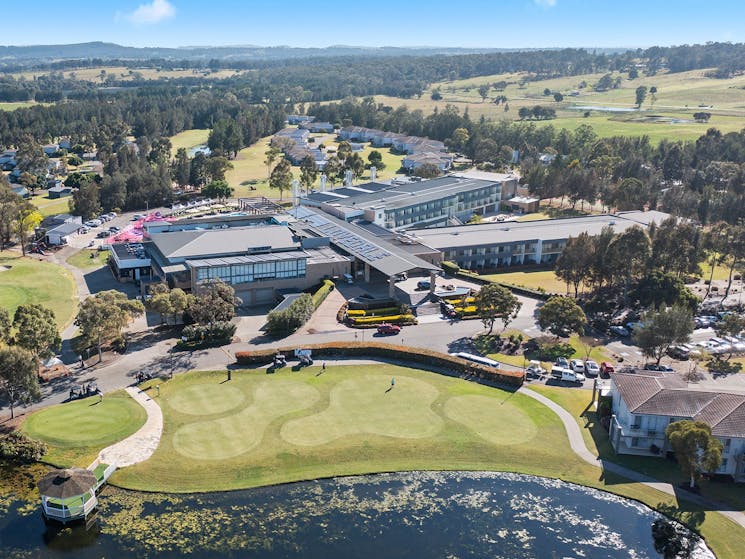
(646, 402)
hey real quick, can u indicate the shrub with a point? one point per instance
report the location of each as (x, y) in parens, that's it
(19, 448)
(220, 331)
(551, 350)
(453, 365)
(450, 268)
(322, 292)
(285, 322)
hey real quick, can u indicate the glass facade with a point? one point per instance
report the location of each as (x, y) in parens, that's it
(253, 272)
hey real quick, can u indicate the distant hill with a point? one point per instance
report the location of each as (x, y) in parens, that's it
(27, 55)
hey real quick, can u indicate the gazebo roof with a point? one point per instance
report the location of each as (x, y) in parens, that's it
(70, 482)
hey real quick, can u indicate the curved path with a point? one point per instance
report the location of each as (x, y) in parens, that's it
(139, 446)
(577, 443)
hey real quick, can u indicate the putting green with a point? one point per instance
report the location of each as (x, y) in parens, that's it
(236, 434)
(76, 430)
(207, 399)
(497, 421)
(369, 405)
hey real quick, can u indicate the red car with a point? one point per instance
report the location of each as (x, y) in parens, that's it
(388, 329)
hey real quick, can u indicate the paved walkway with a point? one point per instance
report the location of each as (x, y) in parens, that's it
(577, 444)
(141, 445)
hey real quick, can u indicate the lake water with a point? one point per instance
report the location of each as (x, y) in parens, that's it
(604, 109)
(403, 515)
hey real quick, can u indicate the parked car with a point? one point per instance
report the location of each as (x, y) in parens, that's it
(114, 229)
(96, 223)
(656, 367)
(737, 344)
(84, 229)
(535, 370)
(423, 284)
(104, 218)
(136, 217)
(619, 331)
(591, 368)
(90, 223)
(577, 365)
(567, 375)
(606, 369)
(103, 234)
(562, 362)
(389, 329)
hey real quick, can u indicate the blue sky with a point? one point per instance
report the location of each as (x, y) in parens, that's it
(471, 23)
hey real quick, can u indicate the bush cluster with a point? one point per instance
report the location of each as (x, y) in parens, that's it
(19, 448)
(221, 331)
(285, 322)
(454, 365)
(320, 295)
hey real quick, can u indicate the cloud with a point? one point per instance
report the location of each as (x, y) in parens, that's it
(155, 12)
(545, 3)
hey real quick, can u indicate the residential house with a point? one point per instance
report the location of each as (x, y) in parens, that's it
(299, 119)
(319, 127)
(646, 402)
(59, 191)
(50, 149)
(21, 190)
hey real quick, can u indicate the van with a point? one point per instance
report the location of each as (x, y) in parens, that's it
(349, 278)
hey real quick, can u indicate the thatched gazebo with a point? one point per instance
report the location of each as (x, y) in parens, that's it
(68, 494)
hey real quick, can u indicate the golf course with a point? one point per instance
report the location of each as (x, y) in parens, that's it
(259, 429)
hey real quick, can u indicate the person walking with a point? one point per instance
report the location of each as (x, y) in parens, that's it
(393, 382)
(323, 367)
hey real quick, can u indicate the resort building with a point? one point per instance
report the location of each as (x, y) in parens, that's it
(399, 206)
(489, 246)
(646, 402)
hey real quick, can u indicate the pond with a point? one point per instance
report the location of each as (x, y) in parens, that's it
(401, 515)
(603, 109)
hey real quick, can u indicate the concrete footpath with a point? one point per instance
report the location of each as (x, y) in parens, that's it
(141, 445)
(577, 444)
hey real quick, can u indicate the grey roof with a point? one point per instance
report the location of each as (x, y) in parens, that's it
(648, 393)
(213, 242)
(403, 195)
(65, 228)
(380, 254)
(545, 229)
(70, 482)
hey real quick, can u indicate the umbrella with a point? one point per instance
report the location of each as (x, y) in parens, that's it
(70, 482)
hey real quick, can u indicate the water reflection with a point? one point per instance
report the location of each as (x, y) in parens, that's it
(403, 515)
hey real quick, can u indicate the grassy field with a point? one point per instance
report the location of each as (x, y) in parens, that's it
(189, 139)
(271, 429)
(669, 116)
(77, 431)
(18, 105)
(598, 353)
(82, 259)
(262, 429)
(545, 279)
(127, 74)
(51, 206)
(27, 280)
(249, 169)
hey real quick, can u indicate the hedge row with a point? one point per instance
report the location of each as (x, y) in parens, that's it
(452, 364)
(320, 295)
(391, 318)
(373, 312)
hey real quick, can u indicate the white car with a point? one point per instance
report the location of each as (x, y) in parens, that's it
(577, 365)
(619, 331)
(592, 369)
(535, 370)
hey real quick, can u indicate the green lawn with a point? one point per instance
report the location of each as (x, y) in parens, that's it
(263, 429)
(78, 430)
(51, 206)
(189, 139)
(18, 105)
(82, 259)
(27, 280)
(545, 279)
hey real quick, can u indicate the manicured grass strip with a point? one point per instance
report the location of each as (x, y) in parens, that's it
(82, 259)
(77, 431)
(349, 429)
(189, 139)
(28, 280)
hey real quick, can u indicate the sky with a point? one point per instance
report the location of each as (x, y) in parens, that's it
(304, 23)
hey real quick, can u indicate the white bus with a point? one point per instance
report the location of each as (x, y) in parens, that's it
(477, 359)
